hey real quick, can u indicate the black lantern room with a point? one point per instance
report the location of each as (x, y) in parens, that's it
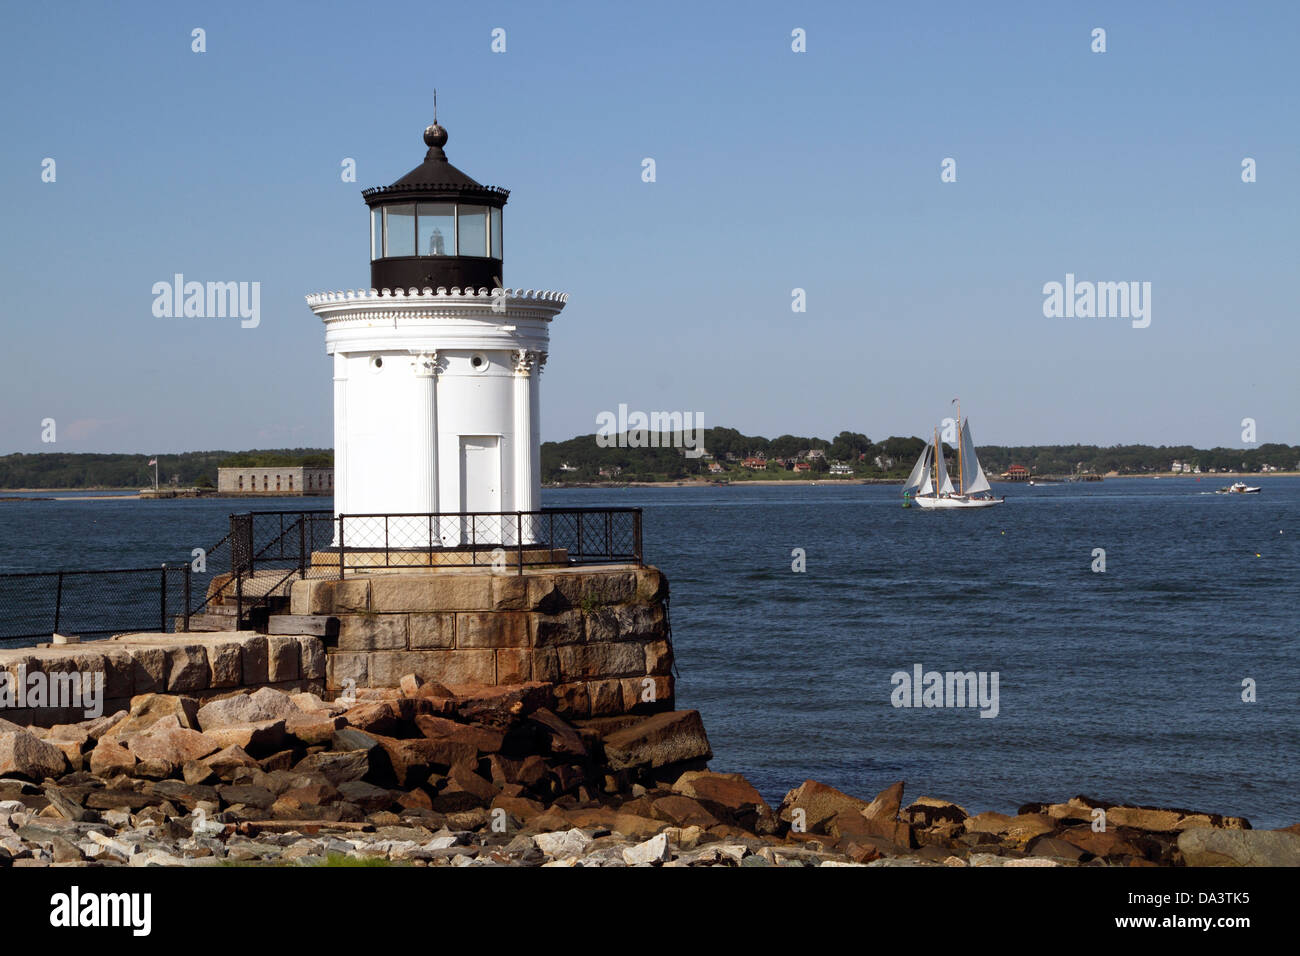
(435, 227)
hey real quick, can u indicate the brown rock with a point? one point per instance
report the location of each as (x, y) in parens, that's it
(410, 684)
(929, 812)
(561, 737)
(728, 796)
(503, 707)
(683, 812)
(23, 754)
(520, 807)
(484, 739)
(226, 763)
(886, 804)
(819, 803)
(313, 729)
(257, 739)
(659, 740)
(162, 752)
(110, 758)
(148, 709)
(414, 760)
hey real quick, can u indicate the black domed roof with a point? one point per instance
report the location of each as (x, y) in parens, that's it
(437, 178)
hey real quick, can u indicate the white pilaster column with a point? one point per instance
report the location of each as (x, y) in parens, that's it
(340, 439)
(424, 438)
(525, 499)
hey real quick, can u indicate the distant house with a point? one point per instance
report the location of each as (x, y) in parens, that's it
(839, 468)
(568, 467)
(884, 462)
(715, 468)
(755, 461)
(613, 472)
(1015, 473)
(812, 453)
(802, 466)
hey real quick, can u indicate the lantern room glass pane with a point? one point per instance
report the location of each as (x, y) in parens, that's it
(399, 230)
(437, 224)
(496, 233)
(377, 233)
(473, 236)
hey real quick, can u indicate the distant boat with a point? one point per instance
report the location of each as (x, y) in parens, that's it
(1238, 488)
(930, 486)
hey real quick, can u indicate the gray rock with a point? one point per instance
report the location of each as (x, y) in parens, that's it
(653, 850)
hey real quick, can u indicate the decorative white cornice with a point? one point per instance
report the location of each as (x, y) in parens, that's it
(456, 294)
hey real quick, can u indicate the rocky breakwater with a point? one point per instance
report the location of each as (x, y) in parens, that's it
(425, 774)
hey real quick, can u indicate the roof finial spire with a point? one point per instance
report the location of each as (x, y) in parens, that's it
(435, 137)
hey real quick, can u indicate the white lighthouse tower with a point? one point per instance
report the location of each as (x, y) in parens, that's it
(436, 370)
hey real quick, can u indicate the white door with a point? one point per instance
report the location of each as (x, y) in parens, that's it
(480, 473)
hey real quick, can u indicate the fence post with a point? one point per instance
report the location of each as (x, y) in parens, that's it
(188, 568)
(58, 603)
(302, 545)
(239, 603)
(340, 547)
(519, 538)
(636, 536)
(162, 611)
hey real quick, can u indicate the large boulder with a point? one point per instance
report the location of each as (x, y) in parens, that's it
(263, 737)
(266, 703)
(674, 736)
(23, 754)
(819, 804)
(1205, 846)
(729, 796)
(148, 709)
(886, 804)
(164, 750)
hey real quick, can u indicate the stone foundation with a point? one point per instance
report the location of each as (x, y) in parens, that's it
(197, 665)
(599, 634)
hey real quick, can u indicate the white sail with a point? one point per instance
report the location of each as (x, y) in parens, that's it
(945, 483)
(972, 474)
(920, 472)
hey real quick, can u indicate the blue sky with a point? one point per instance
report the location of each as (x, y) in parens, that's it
(775, 171)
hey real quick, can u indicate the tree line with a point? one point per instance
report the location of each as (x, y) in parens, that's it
(193, 469)
(583, 459)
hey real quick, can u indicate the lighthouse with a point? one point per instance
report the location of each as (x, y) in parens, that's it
(436, 370)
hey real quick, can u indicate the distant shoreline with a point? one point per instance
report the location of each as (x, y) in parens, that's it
(127, 494)
(730, 482)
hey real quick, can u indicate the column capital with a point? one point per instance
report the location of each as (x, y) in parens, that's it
(525, 360)
(425, 364)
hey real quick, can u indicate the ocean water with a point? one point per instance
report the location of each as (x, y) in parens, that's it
(1124, 684)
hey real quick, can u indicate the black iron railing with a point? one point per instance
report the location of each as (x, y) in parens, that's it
(252, 565)
(35, 605)
(513, 539)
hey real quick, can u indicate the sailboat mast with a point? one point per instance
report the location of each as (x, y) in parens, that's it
(937, 483)
(961, 474)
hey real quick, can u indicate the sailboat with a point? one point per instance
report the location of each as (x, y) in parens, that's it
(930, 486)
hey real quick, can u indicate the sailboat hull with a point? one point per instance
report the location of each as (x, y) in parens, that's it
(955, 501)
